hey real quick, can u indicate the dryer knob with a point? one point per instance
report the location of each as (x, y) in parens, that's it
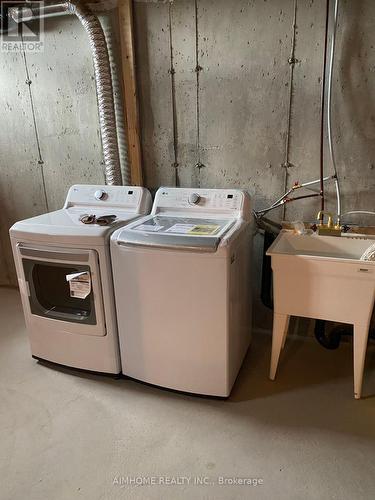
(194, 199)
(100, 194)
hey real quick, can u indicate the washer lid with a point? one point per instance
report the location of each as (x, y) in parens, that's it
(182, 232)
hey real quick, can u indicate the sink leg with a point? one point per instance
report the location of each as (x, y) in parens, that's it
(285, 332)
(360, 338)
(279, 332)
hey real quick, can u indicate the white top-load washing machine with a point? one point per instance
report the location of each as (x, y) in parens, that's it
(183, 290)
(65, 278)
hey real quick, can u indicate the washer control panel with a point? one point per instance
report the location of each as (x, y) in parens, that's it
(131, 198)
(194, 198)
(233, 202)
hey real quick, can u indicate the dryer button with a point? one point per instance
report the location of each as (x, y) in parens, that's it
(100, 194)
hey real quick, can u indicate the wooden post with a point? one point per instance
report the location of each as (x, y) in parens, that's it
(125, 11)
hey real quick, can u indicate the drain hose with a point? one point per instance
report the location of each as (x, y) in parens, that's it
(103, 81)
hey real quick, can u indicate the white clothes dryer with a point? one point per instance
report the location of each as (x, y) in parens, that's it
(65, 277)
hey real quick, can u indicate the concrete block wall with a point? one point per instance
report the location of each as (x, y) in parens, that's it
(214, 87)
(233, 116)
(49, 137)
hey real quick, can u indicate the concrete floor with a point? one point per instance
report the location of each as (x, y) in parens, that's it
(65, 435)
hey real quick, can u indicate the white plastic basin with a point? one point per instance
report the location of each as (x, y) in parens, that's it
(322, 277)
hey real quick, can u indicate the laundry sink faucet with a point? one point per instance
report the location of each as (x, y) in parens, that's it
(329, 229)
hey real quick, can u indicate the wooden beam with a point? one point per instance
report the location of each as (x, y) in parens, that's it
(125, 11)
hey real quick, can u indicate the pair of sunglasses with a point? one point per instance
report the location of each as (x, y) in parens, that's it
(103, 220)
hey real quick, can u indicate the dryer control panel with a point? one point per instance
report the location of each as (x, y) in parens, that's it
(130, 198)
(224, 202)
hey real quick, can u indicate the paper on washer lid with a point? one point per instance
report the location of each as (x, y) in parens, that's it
(149, 227)
(199, 229)
(79, 284)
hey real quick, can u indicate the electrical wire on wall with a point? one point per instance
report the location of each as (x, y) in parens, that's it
(172, 72)
(37, 140)
(292, 61)
(199, 165)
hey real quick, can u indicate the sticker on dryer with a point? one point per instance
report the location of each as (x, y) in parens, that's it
(148, 227)
(79, 284)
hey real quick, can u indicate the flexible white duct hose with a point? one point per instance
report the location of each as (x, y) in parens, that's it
(103, 80)
(114, 57)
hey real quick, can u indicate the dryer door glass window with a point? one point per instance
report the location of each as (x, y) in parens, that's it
(50, 292)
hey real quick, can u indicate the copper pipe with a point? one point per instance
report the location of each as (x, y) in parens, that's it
(322, 204)
(302, 197)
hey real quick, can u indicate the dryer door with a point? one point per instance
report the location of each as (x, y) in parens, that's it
(63, 285)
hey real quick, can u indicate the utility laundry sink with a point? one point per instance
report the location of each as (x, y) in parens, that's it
(322, 277)
(347, 247)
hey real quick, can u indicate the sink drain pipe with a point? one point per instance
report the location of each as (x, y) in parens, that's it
(102, 70)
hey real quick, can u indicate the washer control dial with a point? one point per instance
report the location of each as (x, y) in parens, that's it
(100, 194)
(194, 199)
